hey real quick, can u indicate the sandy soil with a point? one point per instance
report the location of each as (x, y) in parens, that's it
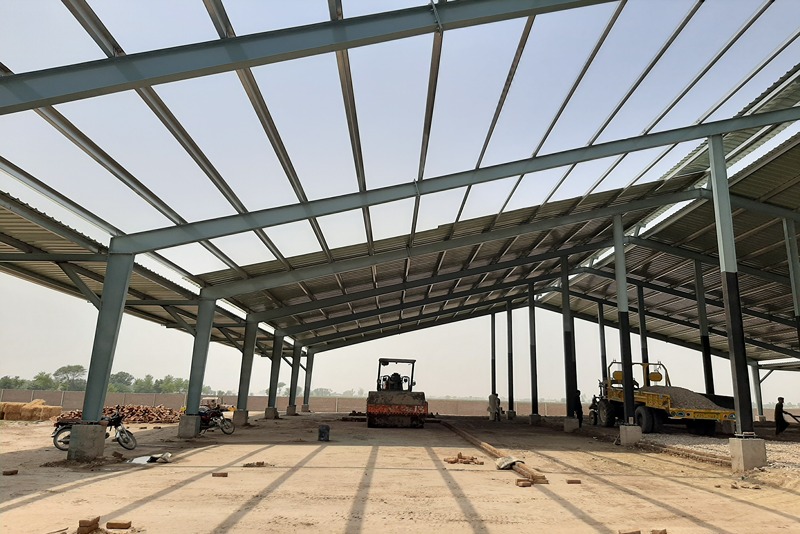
(381, 480)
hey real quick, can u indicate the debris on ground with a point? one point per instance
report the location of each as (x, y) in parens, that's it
(507, 462)
(258, 464)
(573, 481)
(524, 483)
(119, 524)
(462, 459)
(10, 472)
(134, 414)
(219, 475)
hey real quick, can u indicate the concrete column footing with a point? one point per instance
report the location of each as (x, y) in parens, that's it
(86, 442)
(189, 426)
(240, 417)
(511, 415)
(535, 419)
(746, 453)
(629, 434)
(271, 413)
(571, 424)
(291, 409)
(761, 418)
(305, 408)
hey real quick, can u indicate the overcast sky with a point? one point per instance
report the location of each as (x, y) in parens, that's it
(42, 330)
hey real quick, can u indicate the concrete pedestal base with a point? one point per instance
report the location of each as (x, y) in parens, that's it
(571, 424)
(86, 442)
(535, 419)
(189, 426)
(511, 415)
(746, 454)
(240, 417)
(305, 408)
(629, 434)
(761, 418)
(291, 410)
(271, 413)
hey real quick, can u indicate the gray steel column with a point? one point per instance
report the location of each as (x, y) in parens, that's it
(275, 369)
(494, 354)
(643, 333)
(249, 348)
(297, 353)
(793, 256)
(570, 369)
(510, 330)
(730, 285)
(702, 317)
(202, 338)
(624, 320)
(115, 290)
(309, 369)
(601, 323)
(756, 376)
(532, 337)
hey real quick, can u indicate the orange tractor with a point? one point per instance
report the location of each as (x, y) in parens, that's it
(394, 404)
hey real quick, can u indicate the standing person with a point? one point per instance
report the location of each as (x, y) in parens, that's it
(780, 422)
(494, 407)
(578, 408)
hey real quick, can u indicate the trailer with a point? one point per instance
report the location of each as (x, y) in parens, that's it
(658, 402)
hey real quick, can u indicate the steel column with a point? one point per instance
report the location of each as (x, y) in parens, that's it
(297, 353)
(702, 319)
(793, 257)
(115, 291)
(202, 338)
(624, 320)
(570, 368)
(601, 323)
(309, 369)
(730, 285)
(510, 342)
(494, 354)
(275, 369)
(643, 333)
(756, 377)
(248, 350)
(532, 337)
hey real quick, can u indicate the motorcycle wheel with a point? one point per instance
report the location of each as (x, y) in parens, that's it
(126, 439)
(61, 438)
(226, 425)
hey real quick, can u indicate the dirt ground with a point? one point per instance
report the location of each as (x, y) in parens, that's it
(382, 480)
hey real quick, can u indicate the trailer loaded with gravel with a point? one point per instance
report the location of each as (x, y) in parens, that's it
(659, 402)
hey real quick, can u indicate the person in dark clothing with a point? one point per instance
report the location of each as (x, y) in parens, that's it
(780, 422)
(578, 408)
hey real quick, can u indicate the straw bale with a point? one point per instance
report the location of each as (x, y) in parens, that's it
(12, 410)
(49, 411)
(35, 402)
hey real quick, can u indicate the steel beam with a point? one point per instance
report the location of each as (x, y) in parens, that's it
(309, 369)
(510, 345)
(756, 378)
(115, 289)
(570, 364)
(297, 353)
(189, 233)
(248, 350)
(793, 259)
(702, 318)
(532, 343)
(623, 319)
(69, 270)
(202, 338)
(494, 354)
(17, 257)
(275, 369)
(601, 323)
(643, 333)
(730, 285)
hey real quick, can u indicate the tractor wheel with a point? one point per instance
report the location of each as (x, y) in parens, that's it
(644, 418)
(605, 412)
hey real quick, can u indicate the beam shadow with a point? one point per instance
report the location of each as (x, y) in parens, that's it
(354, 523)
(228, 524)
(99, 478)
(470, 513)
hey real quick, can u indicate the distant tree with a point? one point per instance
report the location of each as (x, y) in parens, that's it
(361, 392)
(170, 384)
(321, 392)
(120, 382)
(42, 381)
(12, 382)
(70, 377)
(349, 393)
(299, 391)
(207, 390)
(281, 385)
(144, 385)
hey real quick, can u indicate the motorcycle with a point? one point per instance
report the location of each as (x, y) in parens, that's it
(211, 418)
(123, 436)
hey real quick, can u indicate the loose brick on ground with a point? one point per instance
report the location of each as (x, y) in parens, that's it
(118, 524)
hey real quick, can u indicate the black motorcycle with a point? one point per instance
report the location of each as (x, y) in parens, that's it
(122, 435)
(211, 418)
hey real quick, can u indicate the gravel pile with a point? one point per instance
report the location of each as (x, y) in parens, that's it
(683, 398)
(780, 455)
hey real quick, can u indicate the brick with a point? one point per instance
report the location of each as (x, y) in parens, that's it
(630, 532)
(9, 472)
(573, 481)
(118, 524)
(89, 522)
(219, 474)
(659, 531)
(524, 483)
(87, 530)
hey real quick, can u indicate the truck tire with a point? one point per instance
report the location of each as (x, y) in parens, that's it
(644, 418)
(605, 413)
(658, 421)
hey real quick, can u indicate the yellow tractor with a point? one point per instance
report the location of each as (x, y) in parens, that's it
(394, 404)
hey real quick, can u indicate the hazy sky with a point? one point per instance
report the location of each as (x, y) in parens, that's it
(42, 330)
